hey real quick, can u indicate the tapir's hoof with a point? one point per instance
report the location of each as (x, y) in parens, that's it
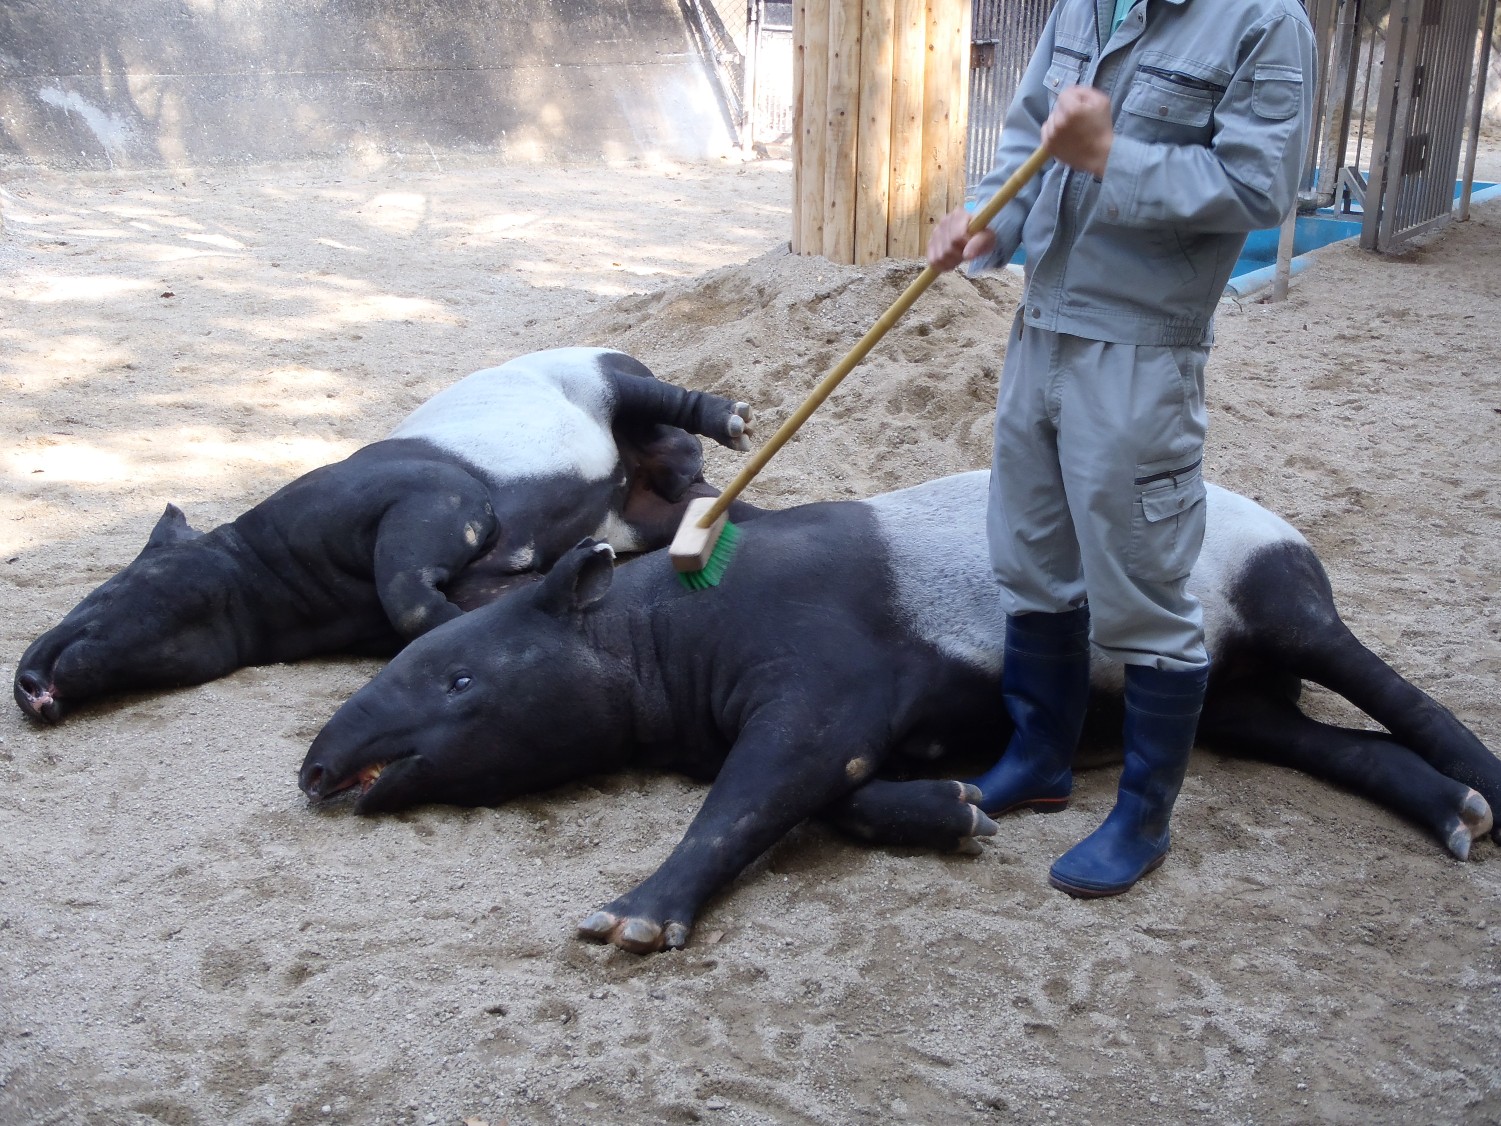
(981, 824)
(633, 933)
(935, 813)
(1473, 822)
(738, 427)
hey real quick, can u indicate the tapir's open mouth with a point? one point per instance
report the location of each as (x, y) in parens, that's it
(321, 785)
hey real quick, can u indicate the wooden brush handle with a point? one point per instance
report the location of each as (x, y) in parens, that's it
(757, 461)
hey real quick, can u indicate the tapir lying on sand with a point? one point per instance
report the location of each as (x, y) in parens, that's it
(843, 636)
(480, 487)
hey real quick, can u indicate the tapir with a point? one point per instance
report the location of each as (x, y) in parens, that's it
(481, 487)
(845, 638)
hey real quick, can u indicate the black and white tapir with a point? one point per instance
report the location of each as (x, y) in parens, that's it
(844, 637)
(483, 486)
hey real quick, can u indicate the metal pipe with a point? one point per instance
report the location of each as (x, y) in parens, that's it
(1365, 93)
(1285, 256)
(748, 83)
(1481, 75)
(1339, 94)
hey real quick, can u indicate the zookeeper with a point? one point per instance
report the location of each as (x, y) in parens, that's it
(1176, 127)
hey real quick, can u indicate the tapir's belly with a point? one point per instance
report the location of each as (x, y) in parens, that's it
(512, 423)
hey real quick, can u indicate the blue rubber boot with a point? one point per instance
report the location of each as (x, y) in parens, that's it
(1162, 715)
(1045, 686)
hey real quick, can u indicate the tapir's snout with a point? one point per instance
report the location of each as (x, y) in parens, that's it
(350, 754)
(38, 696)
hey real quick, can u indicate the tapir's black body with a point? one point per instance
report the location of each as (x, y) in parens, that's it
(843, 638)
(480, 489)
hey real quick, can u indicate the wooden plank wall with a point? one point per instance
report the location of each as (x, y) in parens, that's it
(880, 93)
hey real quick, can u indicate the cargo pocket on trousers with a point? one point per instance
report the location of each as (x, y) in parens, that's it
(1167, 521)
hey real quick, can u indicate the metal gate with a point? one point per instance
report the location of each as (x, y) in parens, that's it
(1420, 121)
(1005, 31)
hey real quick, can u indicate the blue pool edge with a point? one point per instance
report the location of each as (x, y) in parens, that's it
(1255, 280)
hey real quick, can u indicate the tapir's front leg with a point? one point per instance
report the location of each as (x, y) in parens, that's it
(781, 771)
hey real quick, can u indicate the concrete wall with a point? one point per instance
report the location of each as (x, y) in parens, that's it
(98, 84)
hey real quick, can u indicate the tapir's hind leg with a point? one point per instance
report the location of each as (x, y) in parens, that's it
(1292, 624)
(922, 813)
(423, 541)
(1251, 720)
(641, 398)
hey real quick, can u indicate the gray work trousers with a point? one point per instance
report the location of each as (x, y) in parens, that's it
(1097, 492)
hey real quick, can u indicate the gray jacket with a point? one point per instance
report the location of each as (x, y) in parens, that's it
(1212, 101)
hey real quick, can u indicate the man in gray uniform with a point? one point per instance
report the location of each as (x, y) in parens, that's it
(1176, 127)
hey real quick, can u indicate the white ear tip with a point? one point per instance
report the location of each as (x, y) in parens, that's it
(603, 548)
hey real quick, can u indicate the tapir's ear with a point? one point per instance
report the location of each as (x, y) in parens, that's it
(171, 528)
(579, 579)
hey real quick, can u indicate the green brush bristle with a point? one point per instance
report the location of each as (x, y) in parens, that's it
(719, 559)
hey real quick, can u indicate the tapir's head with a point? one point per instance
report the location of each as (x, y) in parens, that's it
(160, 622)
(506, 700)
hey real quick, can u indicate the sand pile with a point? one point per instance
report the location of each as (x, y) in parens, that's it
(767, 331)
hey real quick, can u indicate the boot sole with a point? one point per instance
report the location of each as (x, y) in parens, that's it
(1102, 893)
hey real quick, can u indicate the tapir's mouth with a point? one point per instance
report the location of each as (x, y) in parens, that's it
(321, 786)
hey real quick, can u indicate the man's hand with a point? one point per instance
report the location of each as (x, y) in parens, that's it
(951, 243)
(1079, 131)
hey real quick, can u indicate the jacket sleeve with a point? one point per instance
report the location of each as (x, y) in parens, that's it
(1247, 177)
(1021, 133)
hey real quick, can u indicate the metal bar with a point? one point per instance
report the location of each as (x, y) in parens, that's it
(1388, 112)
(748, 97)
(1344, 57)
(1401, 121)
(1482, 72)
(1322, 16)
(1422, 228)
(1284, 271)
(1365, 95)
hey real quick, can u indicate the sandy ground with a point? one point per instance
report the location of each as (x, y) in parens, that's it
(183, 941)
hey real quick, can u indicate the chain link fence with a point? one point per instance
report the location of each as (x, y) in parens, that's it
(749, 48)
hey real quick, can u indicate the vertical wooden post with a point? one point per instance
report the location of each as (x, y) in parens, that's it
(841, 140)
(938, 99)
(799, 47)
(815, 124)
(910, 27)
(881, 114)
(962, 33)
(873, 153)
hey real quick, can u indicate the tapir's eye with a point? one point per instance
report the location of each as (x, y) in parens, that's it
(460, 683)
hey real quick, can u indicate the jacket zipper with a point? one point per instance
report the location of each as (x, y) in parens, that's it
(1186, 80)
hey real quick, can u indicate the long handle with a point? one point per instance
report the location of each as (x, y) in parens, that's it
(1007, 192)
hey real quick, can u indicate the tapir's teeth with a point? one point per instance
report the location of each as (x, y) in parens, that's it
(369, 774)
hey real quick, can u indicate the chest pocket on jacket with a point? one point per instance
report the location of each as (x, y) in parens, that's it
(1066, 69)
(1166, 105)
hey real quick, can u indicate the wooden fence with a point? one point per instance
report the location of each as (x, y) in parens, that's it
(880, 96)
